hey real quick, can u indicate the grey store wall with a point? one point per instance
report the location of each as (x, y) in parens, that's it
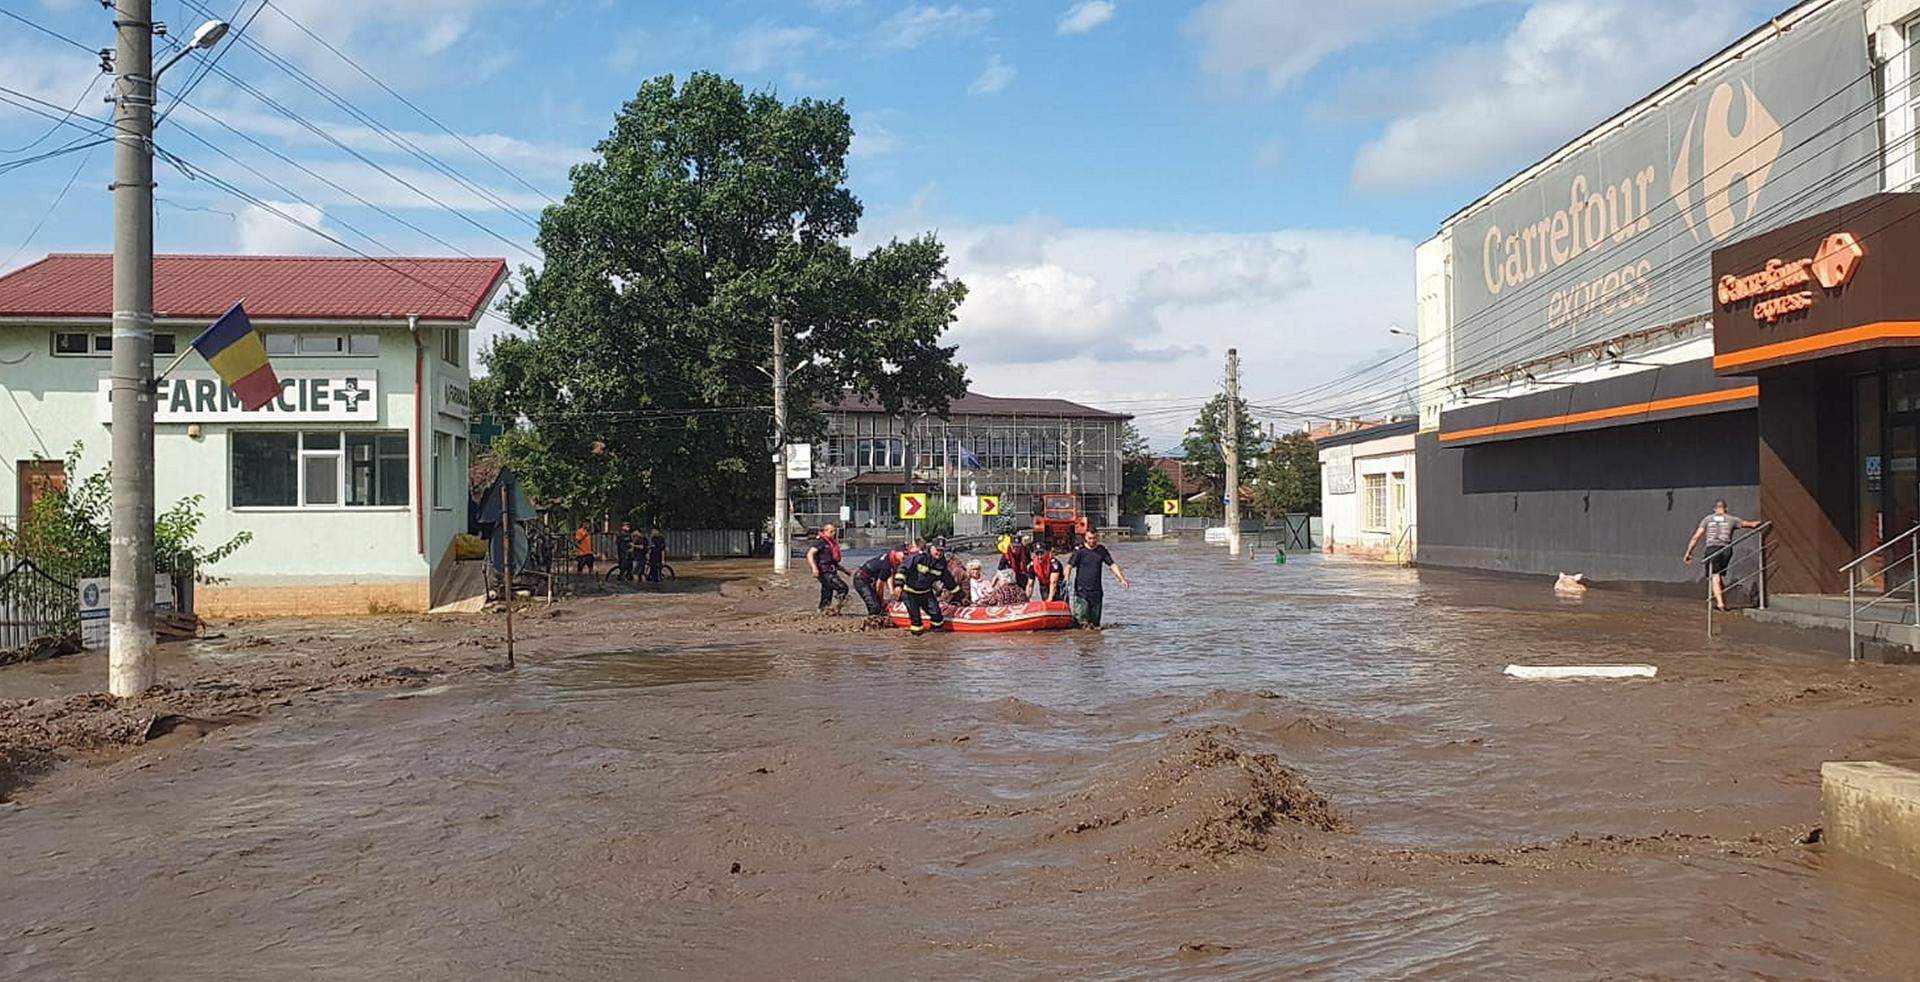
(1616, 504)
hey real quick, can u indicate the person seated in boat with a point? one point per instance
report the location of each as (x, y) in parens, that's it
(1048, 578)
(1004, 593)
(978, 586)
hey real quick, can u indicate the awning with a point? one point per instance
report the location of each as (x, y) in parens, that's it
(1666, 392)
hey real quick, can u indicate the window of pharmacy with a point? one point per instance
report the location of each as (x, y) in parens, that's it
(319, 469)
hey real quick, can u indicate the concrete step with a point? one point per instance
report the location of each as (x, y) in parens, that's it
(1826, 632)
(1893, 610)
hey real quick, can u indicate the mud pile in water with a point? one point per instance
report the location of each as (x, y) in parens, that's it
(1199, 797)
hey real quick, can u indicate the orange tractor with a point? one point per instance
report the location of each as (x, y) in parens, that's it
(1059, 522)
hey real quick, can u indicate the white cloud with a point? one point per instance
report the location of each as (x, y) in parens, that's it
(1085, 16)
(995, 77)
(916, 24)
(259, 231)
(1116, 315)
(765, 46)
(1278, 41)
(407, 44)
(871, 138)
(1486, 110)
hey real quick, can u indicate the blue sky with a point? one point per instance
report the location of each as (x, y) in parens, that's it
(1128, 187)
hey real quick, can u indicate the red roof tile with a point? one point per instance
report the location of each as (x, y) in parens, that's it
(274, 287)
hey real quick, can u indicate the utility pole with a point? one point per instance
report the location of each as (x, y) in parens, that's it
(1232, 423)
(782, 518)
(130, 597)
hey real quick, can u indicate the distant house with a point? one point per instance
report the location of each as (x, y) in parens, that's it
(1367, 499)
(1014, 448)
(1176, 470)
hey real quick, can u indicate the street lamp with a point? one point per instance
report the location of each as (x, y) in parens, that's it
(206, 36)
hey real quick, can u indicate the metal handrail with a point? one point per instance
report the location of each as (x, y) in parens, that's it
(1863, 557)
(1760, 570)
(1854, 606)
(1405, 538)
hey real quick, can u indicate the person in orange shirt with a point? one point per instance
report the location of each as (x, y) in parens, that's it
(583, 561)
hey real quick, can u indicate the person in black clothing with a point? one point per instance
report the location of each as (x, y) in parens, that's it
(823, 557)
(1088, 594)
(871, 581)
(623, 552)
(920, 581)
(656, 554)
(1048, 576)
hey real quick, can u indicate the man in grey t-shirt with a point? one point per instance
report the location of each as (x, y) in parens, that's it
(1717, 529)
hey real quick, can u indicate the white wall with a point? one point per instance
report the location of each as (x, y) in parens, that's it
(48, 403)
(1344, 515)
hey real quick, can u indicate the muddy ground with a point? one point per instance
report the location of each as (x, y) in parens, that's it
(1314, 770)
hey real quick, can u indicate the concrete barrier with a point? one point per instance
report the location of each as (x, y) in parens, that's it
(1873, 811)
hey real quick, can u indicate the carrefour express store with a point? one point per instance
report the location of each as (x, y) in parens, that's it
(353, 483)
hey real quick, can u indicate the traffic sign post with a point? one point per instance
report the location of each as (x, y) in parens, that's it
(913, 506)
(1170, 506)
(989, 505)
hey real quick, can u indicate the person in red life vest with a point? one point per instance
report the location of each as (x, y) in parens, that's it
(1046, 574)
(1019, 558)
(823, 557)
(873, 580)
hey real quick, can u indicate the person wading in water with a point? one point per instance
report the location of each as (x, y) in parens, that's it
(920, 581)
(823, 557)
(1088, 593)
(1717, 529)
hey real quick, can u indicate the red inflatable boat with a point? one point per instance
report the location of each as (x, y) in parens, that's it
(1035, 615)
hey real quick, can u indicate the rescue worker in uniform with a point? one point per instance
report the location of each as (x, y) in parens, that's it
(1018, 557)
(823, 557)
(1049, 577)
(874, 579)
(920, 581)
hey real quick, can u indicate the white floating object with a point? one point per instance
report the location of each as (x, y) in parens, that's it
(1581, 671)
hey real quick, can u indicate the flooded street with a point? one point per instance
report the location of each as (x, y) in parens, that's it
(1258, 771)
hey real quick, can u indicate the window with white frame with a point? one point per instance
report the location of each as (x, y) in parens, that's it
(318, 469)
(1900, 115)
(1374, 500)
(312, 344)
(442, 462)
(83, 343)
(450, 346)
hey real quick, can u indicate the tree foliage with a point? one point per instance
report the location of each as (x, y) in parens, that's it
(68, 532)
(1287, 480)
(640, 375)
(1136, 471)
(1205, 451)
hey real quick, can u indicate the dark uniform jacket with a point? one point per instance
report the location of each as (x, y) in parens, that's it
(921, 573)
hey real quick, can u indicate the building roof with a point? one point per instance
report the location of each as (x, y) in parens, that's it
(1365, 432)
(1176, 470)
(975, 404)
(274, 288)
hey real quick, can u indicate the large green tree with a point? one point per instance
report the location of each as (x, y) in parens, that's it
(640, 376)
(1204, 448)
(1136, 470)
(1287, 480)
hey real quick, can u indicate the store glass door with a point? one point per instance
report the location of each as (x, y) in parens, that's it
(1901, 482)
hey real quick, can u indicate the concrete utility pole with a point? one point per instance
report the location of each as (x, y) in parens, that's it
(1232, 441)
(130, 594)
(782, 517)
(130, 597)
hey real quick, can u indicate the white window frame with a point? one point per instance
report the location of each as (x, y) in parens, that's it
(1373, 492)
(450, 346)
(100, 344)
(344, 345)
(301, 455)
(1899, 109)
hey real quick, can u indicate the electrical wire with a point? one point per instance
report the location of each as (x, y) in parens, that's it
(55, 128)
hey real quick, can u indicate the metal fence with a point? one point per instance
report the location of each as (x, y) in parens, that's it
(685, 543)
(34, 604)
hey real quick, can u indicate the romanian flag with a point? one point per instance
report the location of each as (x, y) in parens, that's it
(237, 353)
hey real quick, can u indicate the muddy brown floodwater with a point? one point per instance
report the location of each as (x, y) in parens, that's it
(1308, 770)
